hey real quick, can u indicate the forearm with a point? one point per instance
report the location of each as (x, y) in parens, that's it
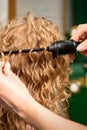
(43, 119)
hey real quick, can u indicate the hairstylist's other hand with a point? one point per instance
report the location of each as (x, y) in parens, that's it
(80, 35)
(12, 91)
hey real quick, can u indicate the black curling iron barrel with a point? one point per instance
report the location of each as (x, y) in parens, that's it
(62, 47)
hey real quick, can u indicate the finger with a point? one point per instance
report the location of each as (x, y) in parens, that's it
(82, 47)
(7, 70)
(72, 57)
(81, 33)
(84, 53)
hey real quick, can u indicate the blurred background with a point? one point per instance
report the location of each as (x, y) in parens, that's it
(67, 14)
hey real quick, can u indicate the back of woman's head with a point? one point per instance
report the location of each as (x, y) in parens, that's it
(44, 76)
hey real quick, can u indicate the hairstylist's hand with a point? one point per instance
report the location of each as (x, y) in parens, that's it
(80, 35)
(12, 91)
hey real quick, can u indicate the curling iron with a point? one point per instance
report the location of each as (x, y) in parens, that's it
(57, 48)
(63, 47)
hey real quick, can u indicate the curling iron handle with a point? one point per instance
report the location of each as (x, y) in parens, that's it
(63, 47)
(67, 47)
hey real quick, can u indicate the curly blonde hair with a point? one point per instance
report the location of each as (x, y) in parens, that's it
(45, 77)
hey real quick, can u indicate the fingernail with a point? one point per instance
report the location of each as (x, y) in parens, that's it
(80, 48)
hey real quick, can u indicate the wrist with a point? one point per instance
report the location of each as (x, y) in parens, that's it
(25, 108)
(29, 111)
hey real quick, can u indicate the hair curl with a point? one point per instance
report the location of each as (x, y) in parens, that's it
(45, 78)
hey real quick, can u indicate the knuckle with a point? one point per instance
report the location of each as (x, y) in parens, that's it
(80, 26)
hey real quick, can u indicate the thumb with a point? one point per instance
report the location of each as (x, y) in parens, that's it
(7, 69)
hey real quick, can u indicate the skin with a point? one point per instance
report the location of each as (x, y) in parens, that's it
(80, 35)
(26, 107)
(14, 95)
